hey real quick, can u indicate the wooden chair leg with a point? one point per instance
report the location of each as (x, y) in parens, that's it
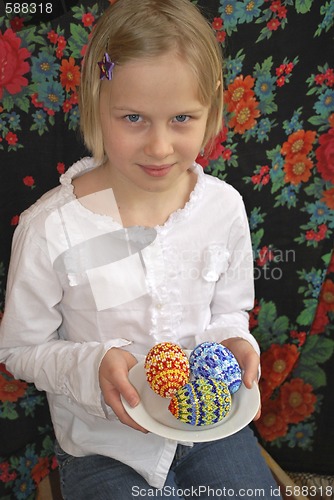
(49, 488)
(289, 490)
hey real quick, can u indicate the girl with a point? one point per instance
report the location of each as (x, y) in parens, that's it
(136, 246)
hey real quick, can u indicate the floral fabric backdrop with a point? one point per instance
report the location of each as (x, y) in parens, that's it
(276, 148)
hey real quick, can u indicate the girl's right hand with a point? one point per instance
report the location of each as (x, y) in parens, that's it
(114, 382)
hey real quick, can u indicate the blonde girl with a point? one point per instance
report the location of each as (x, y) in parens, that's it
(136, 246)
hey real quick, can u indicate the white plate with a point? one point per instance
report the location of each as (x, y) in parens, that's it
(152, 412)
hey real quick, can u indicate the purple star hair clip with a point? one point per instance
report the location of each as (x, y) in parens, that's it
(106, 67)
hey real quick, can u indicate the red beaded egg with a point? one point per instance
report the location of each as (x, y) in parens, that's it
(167, 368)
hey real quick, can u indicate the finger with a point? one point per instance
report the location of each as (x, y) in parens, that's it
(251, 371)
(122, 415)
(126, 389)
(258, 415)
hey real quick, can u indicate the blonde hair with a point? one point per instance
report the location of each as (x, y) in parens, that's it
(133, 29)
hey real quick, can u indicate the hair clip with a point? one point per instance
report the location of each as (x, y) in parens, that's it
(106, 67)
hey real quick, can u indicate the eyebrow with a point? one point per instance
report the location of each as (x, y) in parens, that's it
(137, 112)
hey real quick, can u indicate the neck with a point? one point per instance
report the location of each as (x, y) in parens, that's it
(138, 207)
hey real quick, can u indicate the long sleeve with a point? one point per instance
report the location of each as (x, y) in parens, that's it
(234, 289)
(30, 340)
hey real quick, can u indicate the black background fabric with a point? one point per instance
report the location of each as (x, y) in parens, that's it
(40, 154)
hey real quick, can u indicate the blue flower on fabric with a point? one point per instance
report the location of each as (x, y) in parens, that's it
(233, 68)
(325, 105)
(294, 124)
(230, 12)
(3, 126)
(51, 94)
(43, 67)
(74, 118)
(264, 86)
(249, 10)
(39, 124)
(263, 128)
(300, 435)
(255, 218)
(289, 196)
(14, 120)
(319, 212)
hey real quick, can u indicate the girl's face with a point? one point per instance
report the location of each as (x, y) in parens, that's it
(153, 123)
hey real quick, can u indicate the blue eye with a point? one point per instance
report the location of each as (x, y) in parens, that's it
(133, 118)
(181, 118)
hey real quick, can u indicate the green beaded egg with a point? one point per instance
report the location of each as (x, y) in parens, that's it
(201, 402)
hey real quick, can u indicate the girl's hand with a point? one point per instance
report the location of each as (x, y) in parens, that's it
(114, 382)
(248, 360)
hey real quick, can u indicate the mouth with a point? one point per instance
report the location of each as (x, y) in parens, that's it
(156, 170)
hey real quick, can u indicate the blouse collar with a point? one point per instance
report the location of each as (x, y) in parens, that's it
(179, 215)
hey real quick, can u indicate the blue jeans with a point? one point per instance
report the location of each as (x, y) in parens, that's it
(232, 467)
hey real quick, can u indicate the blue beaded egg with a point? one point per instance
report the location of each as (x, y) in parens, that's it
(201, 402)
(213, 360)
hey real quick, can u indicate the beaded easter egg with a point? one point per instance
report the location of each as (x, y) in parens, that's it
(203, 401)
(167, 368)
(212, 360)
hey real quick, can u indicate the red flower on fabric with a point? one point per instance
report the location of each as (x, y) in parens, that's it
(69, 74)
(221, 35)
(29, 181)
(320, 320)
(40, 470)
(265, 390)
(214, 149)
(60, 167)
(11, 390)
(5, 475)
(317, 235)
(53, 36)
(271, 425)
(16, 23)
(297, 169)
(239, 90)
(300, 336)
(273, 24)
(12, 63)
(297, 400)
(299, 142)
(4, 370)
(325, 156)
(282, 12)
(280, 81)
(15, 220)
(275, 5)
(328, 198)
(277, 363)
(245, 114)
(253, 321)
(217, 23)
(88, 19)
(265, 255)
(327, 295)
(11, 138)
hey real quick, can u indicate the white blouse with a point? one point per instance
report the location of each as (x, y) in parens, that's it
(80, 283)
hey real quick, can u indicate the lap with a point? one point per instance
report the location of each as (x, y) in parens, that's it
(227, 468)
(232, 467)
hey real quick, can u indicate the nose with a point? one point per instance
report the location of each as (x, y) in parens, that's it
(159, 143)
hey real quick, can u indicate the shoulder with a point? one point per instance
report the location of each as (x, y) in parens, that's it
(217, 190)
(56, 197)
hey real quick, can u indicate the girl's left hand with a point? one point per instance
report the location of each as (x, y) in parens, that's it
(248, 360)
